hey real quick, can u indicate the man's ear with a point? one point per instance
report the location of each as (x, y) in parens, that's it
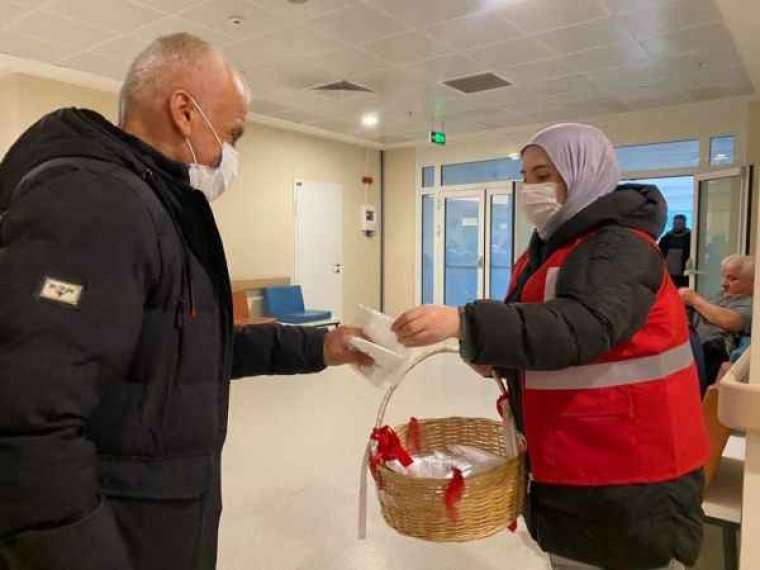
(181, 109)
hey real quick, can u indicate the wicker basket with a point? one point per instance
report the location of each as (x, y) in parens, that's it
(491, 500)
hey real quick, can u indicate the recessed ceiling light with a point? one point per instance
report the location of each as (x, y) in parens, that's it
(370, 120)
(236, 20)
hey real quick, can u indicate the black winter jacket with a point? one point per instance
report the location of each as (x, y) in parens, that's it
(604, 293)
(116, 351)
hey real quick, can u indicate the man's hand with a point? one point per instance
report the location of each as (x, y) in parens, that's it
(337, 351)
(427, 325)
(688, 296)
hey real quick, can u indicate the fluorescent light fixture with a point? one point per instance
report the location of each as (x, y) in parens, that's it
(370, 120)
(513, 156)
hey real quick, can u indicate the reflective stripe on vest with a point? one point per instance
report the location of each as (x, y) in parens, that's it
(609, 374)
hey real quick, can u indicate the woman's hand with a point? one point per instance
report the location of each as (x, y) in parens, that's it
(426, 325)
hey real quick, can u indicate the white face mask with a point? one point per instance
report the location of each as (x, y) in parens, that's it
(539, 202)
(213, 181)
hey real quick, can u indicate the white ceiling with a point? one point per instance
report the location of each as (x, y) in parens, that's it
(566, 58)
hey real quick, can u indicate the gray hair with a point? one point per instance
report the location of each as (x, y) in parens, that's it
(745, 263)
(164, 57)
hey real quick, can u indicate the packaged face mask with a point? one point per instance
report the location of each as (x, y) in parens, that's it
(389, 354)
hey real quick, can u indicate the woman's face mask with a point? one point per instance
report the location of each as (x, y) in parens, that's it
(213, 181)
(540, 202)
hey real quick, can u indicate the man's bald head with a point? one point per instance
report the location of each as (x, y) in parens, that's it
(166, 85)
(177, 61)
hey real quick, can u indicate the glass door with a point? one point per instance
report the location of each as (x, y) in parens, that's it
(463, 247)
(721, 225)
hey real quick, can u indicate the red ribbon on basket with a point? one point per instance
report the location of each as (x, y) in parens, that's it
(388, 448)
(501, 402)
(454, 494)
(413, 437)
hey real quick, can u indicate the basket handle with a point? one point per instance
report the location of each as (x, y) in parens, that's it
(433, 351)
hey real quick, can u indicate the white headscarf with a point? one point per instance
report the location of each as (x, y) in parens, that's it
(586, 161)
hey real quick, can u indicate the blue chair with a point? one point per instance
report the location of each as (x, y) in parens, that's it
(287, 306)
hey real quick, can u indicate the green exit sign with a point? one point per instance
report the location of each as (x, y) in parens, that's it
(438, 137)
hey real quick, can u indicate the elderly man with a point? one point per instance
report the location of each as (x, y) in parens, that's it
(721, 320)
(116, 336)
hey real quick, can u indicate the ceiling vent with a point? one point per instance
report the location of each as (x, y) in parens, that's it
(342, 86)
(477, 83)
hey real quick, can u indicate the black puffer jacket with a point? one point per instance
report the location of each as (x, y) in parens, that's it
(113, 401)
(604, 293)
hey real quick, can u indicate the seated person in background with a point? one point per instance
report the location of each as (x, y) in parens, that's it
(676, 248)
(723, 319)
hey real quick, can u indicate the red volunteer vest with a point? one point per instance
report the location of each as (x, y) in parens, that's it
(633, 415)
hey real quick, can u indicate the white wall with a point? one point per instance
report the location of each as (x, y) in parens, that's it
(256, 217)
(696, 120)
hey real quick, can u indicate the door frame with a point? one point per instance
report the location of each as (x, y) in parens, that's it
(742, 172)
(439, 292)
(439, 194)
(506, 190)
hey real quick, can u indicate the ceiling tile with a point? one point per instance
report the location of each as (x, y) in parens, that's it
(511, 52)
(599, 33)
(538, 16)
(69, 35)
(575, 85)
(404, 48)
(175, 24)
(692, 40)
(216, 14)
(443, 68)
(621, 6)
(645, 99)
(474, 31)
(423, 13)
(300, 41)
(117, 15)
(169, 6)
(611, 56)
(671, 17)
(97, 64)
(13, 43)
(301, 12)
(707, 93)
(123, 49)
(358, 24)
(347, 63)
(290, 72)
(14, 10)
(537, 70)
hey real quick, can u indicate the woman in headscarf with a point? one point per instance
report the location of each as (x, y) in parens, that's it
(593, 339)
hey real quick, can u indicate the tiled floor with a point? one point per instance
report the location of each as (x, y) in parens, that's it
(291, 471)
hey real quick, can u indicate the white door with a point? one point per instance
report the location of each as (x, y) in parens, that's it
(319, 244)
